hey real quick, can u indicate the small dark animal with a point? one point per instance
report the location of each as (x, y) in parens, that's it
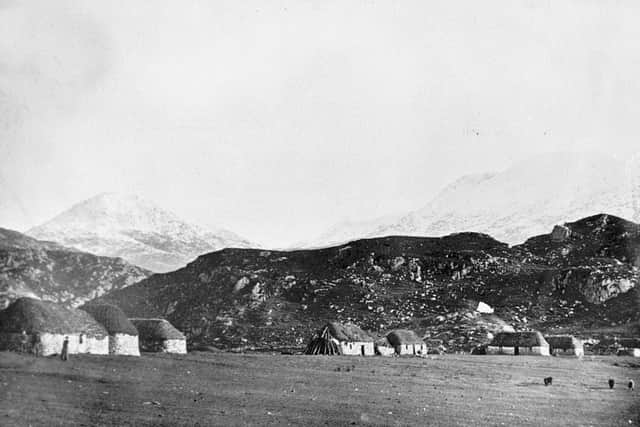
(611, 383)
(631, 385)
(548, 381)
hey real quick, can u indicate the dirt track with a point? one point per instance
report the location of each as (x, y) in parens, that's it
(257, 389)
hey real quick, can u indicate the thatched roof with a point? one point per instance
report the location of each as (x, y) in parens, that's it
(348, 332)
(322, 344)
(403, 337)
(35, 316)
(565, 342)
(112, 318)
(519, 339)
(156, 329)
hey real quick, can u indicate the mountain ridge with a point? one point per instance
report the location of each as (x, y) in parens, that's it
(580, 275)
(134, 229)
(526, 199)
(47, 270)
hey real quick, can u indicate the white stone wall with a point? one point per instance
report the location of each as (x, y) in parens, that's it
(500, 350)
(522, 351)
(386, 351)
(411, 349)
(51, 344)
(357, 348)
(124, 345)
(93, 345)
(175, 346)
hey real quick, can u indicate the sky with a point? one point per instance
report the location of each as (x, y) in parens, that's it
(278, 119)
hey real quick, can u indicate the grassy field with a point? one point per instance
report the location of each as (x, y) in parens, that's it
(259, 389)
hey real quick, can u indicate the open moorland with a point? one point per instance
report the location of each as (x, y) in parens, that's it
(264, 389)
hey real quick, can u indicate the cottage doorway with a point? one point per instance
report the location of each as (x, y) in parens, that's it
(516, 351)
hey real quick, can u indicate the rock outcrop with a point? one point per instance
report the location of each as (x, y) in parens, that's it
(48, 271)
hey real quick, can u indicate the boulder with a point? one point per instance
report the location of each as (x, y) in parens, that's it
(560, 233)
(484, 308)
(240, 284)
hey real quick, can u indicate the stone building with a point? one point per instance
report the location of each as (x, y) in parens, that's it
(519, 344)
(406, 342)
(123, 336)
(158, 335)
(44, 325)
(348, 339)
(565, 345)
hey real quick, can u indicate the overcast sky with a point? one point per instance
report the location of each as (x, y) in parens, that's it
(279, 119)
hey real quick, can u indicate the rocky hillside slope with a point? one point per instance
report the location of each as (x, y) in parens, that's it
(582, 275)
(46, 270)
(134, 229)
(525, 200)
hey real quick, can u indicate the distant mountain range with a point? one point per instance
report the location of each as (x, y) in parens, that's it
(134, 229)
(49, 271)
(525, 200)
(581, 275)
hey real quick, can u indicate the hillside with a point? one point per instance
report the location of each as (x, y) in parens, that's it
(525, 200)
(29, 267)
(134, 229)
(581, 279)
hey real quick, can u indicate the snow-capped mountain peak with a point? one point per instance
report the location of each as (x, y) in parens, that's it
(525, 200)
(135, 229)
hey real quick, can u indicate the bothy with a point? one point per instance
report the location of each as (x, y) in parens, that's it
(123, 336)
(348, 338)
(519, 344)
(406, 342)
(323, 343)
(40, 327)
(384, 348)
(565, 345)
(158, 335)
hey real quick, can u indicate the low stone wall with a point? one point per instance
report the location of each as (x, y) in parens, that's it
(124, 345)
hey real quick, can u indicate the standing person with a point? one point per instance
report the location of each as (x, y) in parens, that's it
(24, 341)
(64, 355)
(37, 345)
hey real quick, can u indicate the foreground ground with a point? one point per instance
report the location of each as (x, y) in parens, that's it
(257, 389)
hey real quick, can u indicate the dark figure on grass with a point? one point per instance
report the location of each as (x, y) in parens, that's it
(36, 347)
(631, 385)
(24, 341)
(64, 354)
(611, 383)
